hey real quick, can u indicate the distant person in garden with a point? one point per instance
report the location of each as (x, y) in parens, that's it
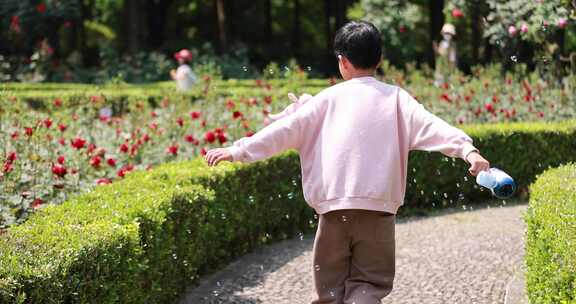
(446, 54)
(184, 77)
(353, 139)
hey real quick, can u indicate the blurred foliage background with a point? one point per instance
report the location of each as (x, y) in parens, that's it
(133, 40)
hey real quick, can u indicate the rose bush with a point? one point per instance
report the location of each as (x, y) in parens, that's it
(51, 151)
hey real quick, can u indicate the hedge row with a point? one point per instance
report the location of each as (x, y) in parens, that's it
(551, 237)
(123, 97)
(147, 237)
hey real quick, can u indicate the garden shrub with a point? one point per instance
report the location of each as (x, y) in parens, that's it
(551, 237)
(147, 237)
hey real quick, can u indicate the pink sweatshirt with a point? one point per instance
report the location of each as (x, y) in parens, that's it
(353, 140)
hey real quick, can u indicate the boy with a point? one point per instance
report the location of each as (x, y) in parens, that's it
(353, 139)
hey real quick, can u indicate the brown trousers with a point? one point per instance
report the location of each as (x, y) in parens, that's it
(354, 257)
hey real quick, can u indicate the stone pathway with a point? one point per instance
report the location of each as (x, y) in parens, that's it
(455, 256)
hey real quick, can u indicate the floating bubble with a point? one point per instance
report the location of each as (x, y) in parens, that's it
(301, 236)
(308, 68)
(514, 58)
(287, 69)
(271, 71)
(344, 219)
(332, 293)
(245, 68)
(317, 267)
(445, 195)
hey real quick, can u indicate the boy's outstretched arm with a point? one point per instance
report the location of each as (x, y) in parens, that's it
(278, 136)
(428, 132)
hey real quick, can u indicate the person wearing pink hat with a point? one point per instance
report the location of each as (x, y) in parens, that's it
(183, 76)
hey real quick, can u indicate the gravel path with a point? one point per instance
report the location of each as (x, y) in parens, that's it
(455, 256)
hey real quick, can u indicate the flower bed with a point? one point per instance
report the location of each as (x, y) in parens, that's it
(148, 236)
(551, 237)
(59, 139)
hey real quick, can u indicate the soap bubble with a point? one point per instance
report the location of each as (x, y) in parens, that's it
(245, 68)
(271, 71)
(344, 219)
(317, 267)
(308, 68)
(514, 58)
(301, 236)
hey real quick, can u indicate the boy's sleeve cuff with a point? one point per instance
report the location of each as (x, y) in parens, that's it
(467, 149)
(236, 153)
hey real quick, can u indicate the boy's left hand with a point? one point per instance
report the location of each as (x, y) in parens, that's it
(214, 156)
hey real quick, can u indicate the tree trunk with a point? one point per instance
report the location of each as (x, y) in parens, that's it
(156, 21)
(436, 19)
(327, 27)
(296, 32)
(134, 34)
(221, 25)
(268, 22)
(476, 35)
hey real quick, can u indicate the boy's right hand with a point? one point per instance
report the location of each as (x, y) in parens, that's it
(477, 163)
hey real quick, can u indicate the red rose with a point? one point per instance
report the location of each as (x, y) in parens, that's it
(62, 127)
(203, 151)
(95, 161)
(252, 101)
(134, 149)
(209, 137)
(37, 202)
(258, 82)
(236, 114)
(62, 141)
(61, 159)
(541, 114)
(14, 135)
(189, 138)
(457, 13)
(230, 104)
(268, 99)
(203, 124)
(15, 24)
(195, 115)
(78, 143)
(495, 99)
(124, 148)
(57, 102)
(153, 114)
(111, 162)
(249, 133)
(180, 121)
(153, 126)
(11, 157)
(173, 149)
(446, 97)
(103, 181)
(467, 98)
(402, 29)
(59, 170)
(7, 167)
(489, 107)
(28, 131)
(222, 138)
(91, 148)
(41, 8)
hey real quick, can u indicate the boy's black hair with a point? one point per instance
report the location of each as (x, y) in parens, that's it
(360, 42)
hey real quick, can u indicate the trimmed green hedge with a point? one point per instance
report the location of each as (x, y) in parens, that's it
(147, 237)
(551, 237)
(123, 97)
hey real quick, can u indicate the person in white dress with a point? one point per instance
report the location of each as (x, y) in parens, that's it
(184, 76)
